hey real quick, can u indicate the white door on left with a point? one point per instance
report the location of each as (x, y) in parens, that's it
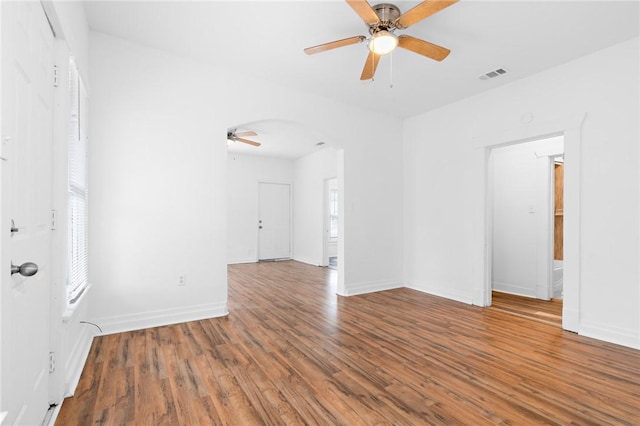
(26, 117)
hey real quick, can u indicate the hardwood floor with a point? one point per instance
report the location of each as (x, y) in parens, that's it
(292, 352)
(546, 311)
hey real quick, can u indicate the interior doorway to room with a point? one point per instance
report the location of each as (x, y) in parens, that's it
(330, 225)
(276, 199)
(274, 222)
(526, 191)
(557, 289)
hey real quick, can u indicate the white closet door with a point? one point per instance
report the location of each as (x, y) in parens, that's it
(274, 223)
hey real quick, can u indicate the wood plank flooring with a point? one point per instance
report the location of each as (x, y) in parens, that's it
(292, 352)
(546, 311)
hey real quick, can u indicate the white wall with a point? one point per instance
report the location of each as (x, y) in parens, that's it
(159, 182)
(158, 185)
(521, 191)
(245, 172)
(310, 172)
(370, 198)
(444, 185)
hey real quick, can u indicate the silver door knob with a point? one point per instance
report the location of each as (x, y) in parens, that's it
(27, 269)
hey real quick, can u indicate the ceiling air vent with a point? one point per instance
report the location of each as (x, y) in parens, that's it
(493, 74)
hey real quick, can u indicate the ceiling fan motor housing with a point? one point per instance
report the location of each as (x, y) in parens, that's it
(388, 13)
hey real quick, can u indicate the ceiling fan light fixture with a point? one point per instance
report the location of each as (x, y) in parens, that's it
(230, 141)
(383, 42)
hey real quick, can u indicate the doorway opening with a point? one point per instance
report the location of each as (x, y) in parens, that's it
(557, 290)
(331, 218)
(526, 212)
(276, 198)
(570, 127)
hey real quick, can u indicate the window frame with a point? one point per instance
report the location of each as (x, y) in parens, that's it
(77, 188)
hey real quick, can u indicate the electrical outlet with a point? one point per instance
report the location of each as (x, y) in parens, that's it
(182, 280)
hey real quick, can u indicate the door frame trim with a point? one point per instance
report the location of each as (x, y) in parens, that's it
(325, 220)
(571, 127)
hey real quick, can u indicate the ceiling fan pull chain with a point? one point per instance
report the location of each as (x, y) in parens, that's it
(373, 65)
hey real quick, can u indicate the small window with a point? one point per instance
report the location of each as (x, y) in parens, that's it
(77, 187)
(333, 214)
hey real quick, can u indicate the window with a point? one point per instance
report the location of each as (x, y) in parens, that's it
(77, 186)
(333, 214)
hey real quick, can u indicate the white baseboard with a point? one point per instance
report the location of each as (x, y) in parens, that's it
(76, 361)
(307, 261)
(370, 287)
(54, 415)
(570, 320)
(122, 323)
(512, 289)
(619, 336)
(478, 297)
(234, 262)
(442, 291)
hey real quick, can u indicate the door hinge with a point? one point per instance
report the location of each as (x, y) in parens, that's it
(56, 80)
(54, 219)
(52, 362)
(3, 143)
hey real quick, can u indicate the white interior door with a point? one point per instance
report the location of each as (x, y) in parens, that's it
(26, 129)
(274, 224)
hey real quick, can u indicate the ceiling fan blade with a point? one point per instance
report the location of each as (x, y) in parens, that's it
(422, 47)
(334, 44)
(243, 134)
(422, 11)
(365, 11)
(247, 141)
(370, 66)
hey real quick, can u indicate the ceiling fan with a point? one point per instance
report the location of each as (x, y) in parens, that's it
(383, 19)
(233, 136)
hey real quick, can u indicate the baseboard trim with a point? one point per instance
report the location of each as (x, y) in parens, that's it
(54, 415)
(440, 291)
(370, 287)
(123, 323)
(307, 261)
(619, 336)
(76, 361)
(235, 262)
(570, 319)
(512, 289)
(478, 298)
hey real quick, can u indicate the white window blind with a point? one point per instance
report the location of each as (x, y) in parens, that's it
(77, 185)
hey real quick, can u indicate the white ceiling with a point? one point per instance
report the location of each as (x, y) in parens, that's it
(280, 139)
(267, 38)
